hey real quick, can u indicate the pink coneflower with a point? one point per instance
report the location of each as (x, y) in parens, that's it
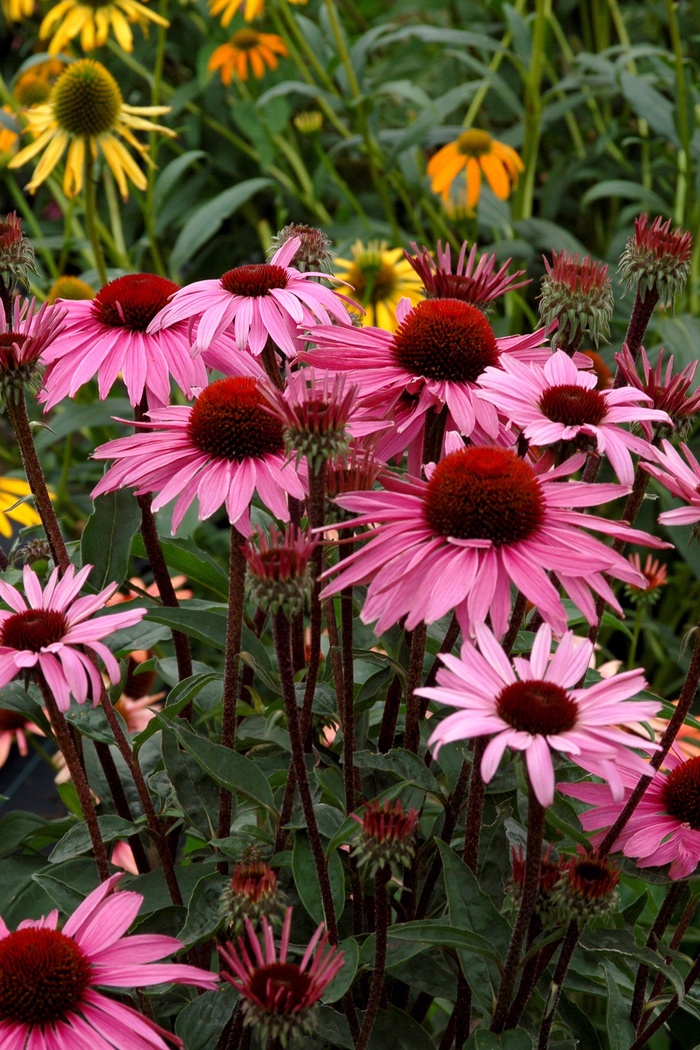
(107, 337)
(665, 826)
(278, 996)
(436, 356)
(50, 629)
(25, 339)
(219, 451)
(680, 479)
(669, 391)
(535, 706)
(471, 281)
(14, 727)
(558, 403)
(260, 301)
(484, 520)
(49, 978)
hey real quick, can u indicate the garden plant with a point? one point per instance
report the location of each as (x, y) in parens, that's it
(349, 504)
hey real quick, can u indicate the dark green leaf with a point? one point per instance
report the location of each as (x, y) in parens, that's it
(207, 219)
(203, 1020)
(617, 1015)
(306, 880)
(199, 619)
(106, 539)
(178, 698)
(340, 984)
(514, 1039)
(196, 793)
(401, 764)
(205, 914)
(78, 841)
(183, 555)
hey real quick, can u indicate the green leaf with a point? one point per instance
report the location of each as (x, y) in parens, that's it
(78, 417)
(650, 105)
(185, 556)
(513, 1039)
(196, 793)
(207, 220)
(342, 981)
(106, 539)
(622, 943)
(203, 1020)
(205, 914)
(178, 698)
(404, 765)
(196, 619)
(227, 768)
(172, 173)
(617, 1020)
(395, 1030)
(627, 190)
(78, 841)
(15, 827)
(306, 880)
(410, 938)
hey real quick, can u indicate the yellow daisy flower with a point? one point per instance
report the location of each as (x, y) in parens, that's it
(33, 87)
(380, 276)
(12, 490)
(251, 9)
(8, 136)
(475, 152)
(247, 46)
(86, 112)
(69, 287)
(17, 10)
(93, 21)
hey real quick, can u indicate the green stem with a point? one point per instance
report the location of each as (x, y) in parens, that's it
(685, 156)
(523, 200)
(234, 631)
(90, 205)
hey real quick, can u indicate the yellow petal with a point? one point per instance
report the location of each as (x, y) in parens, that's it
(75, 162)
(473, 182)
(496, 176)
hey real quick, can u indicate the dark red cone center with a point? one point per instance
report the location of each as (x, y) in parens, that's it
(539, 708)
(254, 280)
(282, 987)
(33, 629)
(43, 975)
(445, 339)
(228, 422)
(572, 405)
(484, 494)
(681, 793)
(132, 301)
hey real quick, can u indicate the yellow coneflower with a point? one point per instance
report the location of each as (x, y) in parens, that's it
(86, 112)
(251, 9)
(93, 21)
(33, 87)
(476, 153)
(379, 277)
(12, 490)
(69, 287)
(247, 46)
(9, 136)
(17, 10)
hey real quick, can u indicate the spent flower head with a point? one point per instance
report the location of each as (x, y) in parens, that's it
(586, 888)
(656, 259)
(576, 294)
(252, 894)
(17, 259)
(387, 837)
(278, 564)
(314, 251)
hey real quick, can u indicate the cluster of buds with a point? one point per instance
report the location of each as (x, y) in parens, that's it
(656, 259)
(16, 257)
(252, 894)
(279, 568)
(576, 296)
(25, 333)
(550, 871)
(386, 838)
(579, 888)
(314, 252)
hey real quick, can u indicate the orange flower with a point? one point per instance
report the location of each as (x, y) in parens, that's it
(475, 152)
(227, 8)
(247, 45)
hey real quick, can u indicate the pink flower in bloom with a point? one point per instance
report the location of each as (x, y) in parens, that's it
(558, 402)
(107, 337)
(25, 339)
(260, 300)
(484, 520)
(279, 995)
(534, 706)
(680, 479)
(13, 730)
(48, 630)
(434, 358)
(219, 450)
(665, 826)
(471, 281)
(49, 978)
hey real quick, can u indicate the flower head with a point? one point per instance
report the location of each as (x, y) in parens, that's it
(558, 403)
(474, 284)
(9, 134)
(587, 887)
(92, 22)
(655, 577)
(252, 894)
(278, 565)
(379, 277)
(535, 706)
(69, 287)
(314, 251)
(49, 978)
(670, 391)
(665, 826)
(681, 479)
(478, 154)
(107, 337)
(17, 259)
(24, 340)
(218, 451)
(550, 873)
(14, 507)
(278, 996)
(86, 112)
(17, 10)
(252, 9)
(33, 86)
(486, 519)
(261, 301)
(49, 630)
(657, 258)
(14, 727)
(578, 295)
(247, 47)
(387, 836)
